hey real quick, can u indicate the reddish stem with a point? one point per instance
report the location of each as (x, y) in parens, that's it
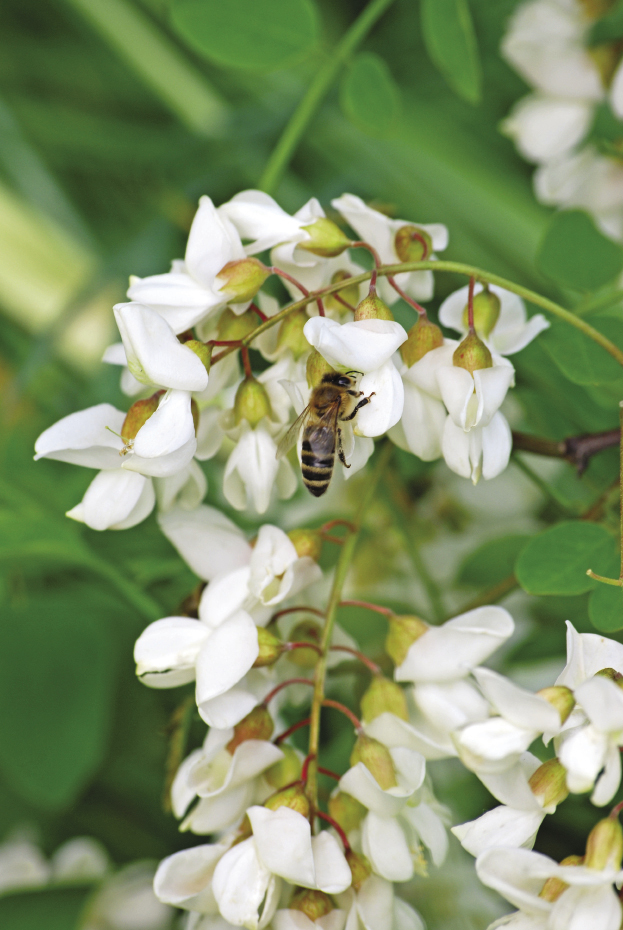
(614, 813)
(356, 722)
(418, 238)
(328, 772)
(385, 611)
(336, 827)
(470, 305)
(326, 537)
(246, 362)
(307, 762)
(375, 256)
(293, 610)
(406, 298)
(254, 307)
(286, 733)
(303, 645)
(297, 284)
(284, 684)
(223, 342)
(374, 668)
(333, 523)
(344, 303)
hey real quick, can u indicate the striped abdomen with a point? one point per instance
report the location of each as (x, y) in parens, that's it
(317, 458)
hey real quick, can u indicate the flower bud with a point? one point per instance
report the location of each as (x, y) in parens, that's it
(307, 631)
(486, 312)
(412, 244)
(421, 338)
(232, 327)
(251, 402)
(604, 846)
(360, 868)
(549, 783)
(285, 771)
(372, 308)
(307, 542)
(554, 887)
(293, 797)
(347, 811)
(291, 334)
(314, 904)
(403, 632)
(138, 415)
(241, 279)
(350, 293)
(271, 648)
(383, 696)
(317, 367)
(612, 674)
(472, 354)
(326, 239)
(559, 697)
(376, 758)
(258, 724)
(201, 350)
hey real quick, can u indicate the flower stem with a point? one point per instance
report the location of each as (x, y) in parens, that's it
(293, 610)
(246, 362)
(621, 483)
(343, 709)
(374, 668)
(336, 827)
(295, 726)
(297, 284)
(368, 606)
(284, 684)
(409, 300)
(470, 304)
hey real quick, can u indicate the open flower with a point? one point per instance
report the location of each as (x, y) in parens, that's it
(375, 906)
(512, 330)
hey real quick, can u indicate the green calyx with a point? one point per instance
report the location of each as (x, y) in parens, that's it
(412, 244)
(372, 308)
(241, 280)
(472, 354)
(423, 337)
(486, 312)
(326, 239)
(291, 334)
(138, 415)
(251, 402)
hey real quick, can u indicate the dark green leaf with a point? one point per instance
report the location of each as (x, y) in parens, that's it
(451, 43)
(556, 561)
(605, 608)
(257, 35)
(609, 27)
(492, 562)
(43, 909)
(369, 95)
(575, 254)
(581, 359)
(33, 537)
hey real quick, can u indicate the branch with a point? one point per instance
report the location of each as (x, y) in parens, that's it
(575, 449)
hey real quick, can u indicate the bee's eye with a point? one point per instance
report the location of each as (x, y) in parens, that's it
(344, 382)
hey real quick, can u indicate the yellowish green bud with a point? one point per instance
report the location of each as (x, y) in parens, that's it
(604, 846)
(372, 308)
(486, 312)
(403, 632)
(549, 783)
(317, 367)
(412, 244)
(347, 811)
(251, 402)
(307, 542)
(194, 412)
(376, 758)
(307, 631)
(242, 279)
(350, 293)
(383, 696)
(472, 354)
(293, 797)
(271, 648)
(201, 350)
(285, 771)
(612, 674)
(258, 724)
(559, 697)
(138, 415)
(421, 338)
(291, 334)
(360, 868)
(326, 238)
(232, 327)
(314, 904)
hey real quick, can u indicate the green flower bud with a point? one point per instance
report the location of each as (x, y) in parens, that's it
(372, 308)
(307, 631)
(314, 904)
(271, 648)
(285, 771)
(383, 696)
(138, 415)
(251, 402)
(326, 238)
(559, 697)
(549, 783)
(201, 350)
(612, 674)
(403, 632)
(258, 724)
(291, 334)
(360, 868)
(242, 279)
(347, 811)
(604, 846)
(350, 294)
(412, 244)
(421, 338)
(232, 327)
(376, 758)
(293, 797)
(472, 354)
(307, 542)
(317, 367)
(486, 312)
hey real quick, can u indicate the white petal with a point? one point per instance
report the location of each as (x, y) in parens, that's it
(212, 242)
(170, 427)
(163, 466)
(579, 908)
(616, 92)
(452, 705)
(493, 745)
(497, 443)
(184, 879)
(227, 709)
(251, 470)
(385, 408)
(423, 419)
(85, 438)
(423, 374)
(225, 594)
(360, 346)
(209, 434)
(165, 653)
(583, 752)
(518, 875)
(180, 300)
(283, 841)
(602, 702)
(226, 656)
(110, 499)
(514, 338)
(186, 488)
(333, 873)
(456, 447)
(359, 782)
(609, 780)
(375, 904)
(430, 829)
(492, 385)
(457, 392)
(241, 883)
(501, 826)
(405, 917)
(258, 217)
(545, 127)
(182, 794)
(511, 787)
(431, 742)
(385, 845)
(587, 654)
(517, 705)
(210, 815)
(206, 539)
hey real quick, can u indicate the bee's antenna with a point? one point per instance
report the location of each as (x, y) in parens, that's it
(354, 372)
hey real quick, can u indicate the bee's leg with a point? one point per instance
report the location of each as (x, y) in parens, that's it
(362, 403)
(355, 393)
(340, 448)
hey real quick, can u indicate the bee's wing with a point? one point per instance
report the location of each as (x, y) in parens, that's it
(292, 435)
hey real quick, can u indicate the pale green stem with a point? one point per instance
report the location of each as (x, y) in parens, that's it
(621, 483)
(291, 136)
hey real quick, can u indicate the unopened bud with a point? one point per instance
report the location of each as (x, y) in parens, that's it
(293, 797)
(350, 293)
(347, 811)
(549, 783)
(604, 846)
(472, 354)
(412, 244)
(251, 402)
(486, 312)
(233, 326)
(285, 771)
(376, 758)
(372, 308)
(194, 412)
(138, 415)
(271, 648)
(360, 868)
(317, 367)
(241, 279)
(201, 350)
(559, 697)
(307, 631)
(403, 632)
(291, 334)
(325, 238)
(314, 904)
(423, 337)
(307, 542)
(383, 696)
(612, 674)
(258, 724)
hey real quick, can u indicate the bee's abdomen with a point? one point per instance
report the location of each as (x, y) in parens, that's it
(317, 464)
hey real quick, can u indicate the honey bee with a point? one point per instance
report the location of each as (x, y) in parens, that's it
(332, 402)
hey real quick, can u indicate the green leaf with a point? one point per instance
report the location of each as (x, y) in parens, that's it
(369, 95)
(609, 27)
(451, 43)
(605, 608)
(556, 561)
(56, 688)
(581, 359)
(492, 562)
(575, 254)
(257, 35)
(30, 538)
(52, 909)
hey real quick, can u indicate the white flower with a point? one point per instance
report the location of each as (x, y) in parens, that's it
(126, 901)
(420, 429)
(380, 232)
(473, 398)
(587, 654)
(253, 470)
(513, 330)
(22, 865)
(544, 127)
(375, 907)
(208, 541)
(481, 452)
(189, 292)
(185, 879)
(258, 217)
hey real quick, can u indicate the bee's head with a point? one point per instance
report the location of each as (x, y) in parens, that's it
(340, 379)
